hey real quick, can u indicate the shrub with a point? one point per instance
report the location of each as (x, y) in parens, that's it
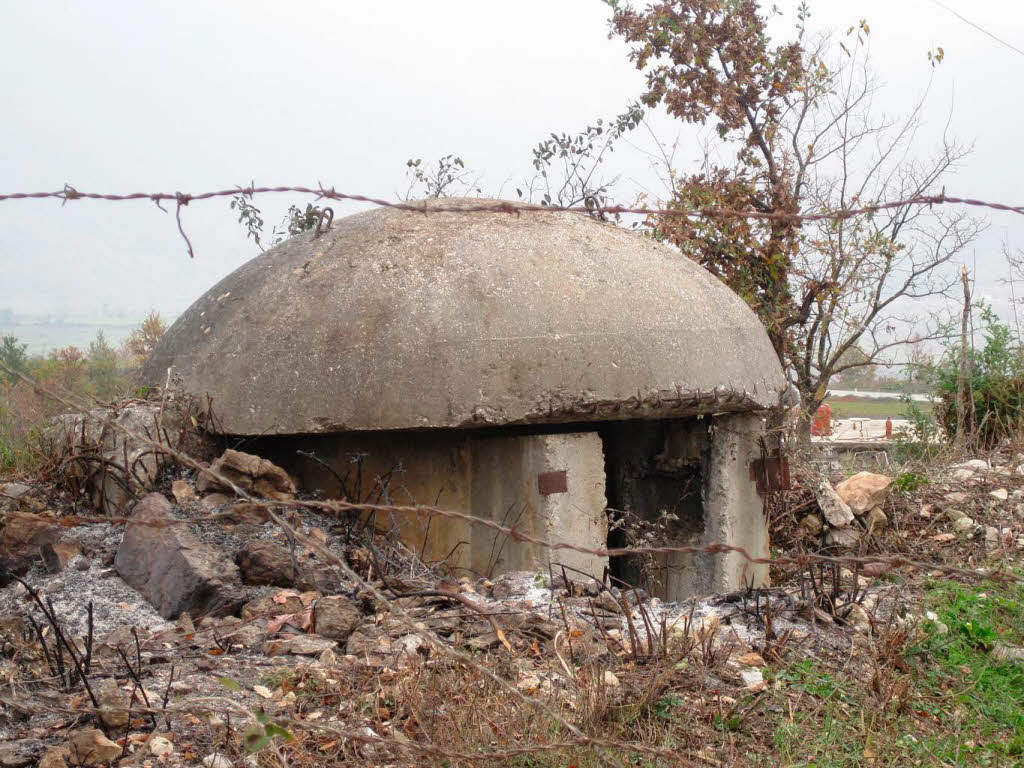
(995, 386)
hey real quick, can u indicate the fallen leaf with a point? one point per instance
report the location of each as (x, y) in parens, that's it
(943, 537)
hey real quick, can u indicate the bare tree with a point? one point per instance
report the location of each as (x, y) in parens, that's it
(878, 283)
(800, 118)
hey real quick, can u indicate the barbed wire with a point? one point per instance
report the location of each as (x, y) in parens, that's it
(321, 192)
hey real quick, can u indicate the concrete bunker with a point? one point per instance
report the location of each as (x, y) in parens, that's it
(545, 371)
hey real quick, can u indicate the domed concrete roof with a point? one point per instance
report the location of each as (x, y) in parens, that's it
(396, 319)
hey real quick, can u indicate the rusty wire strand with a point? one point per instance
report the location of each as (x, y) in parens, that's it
(320, 192)
(70, 193)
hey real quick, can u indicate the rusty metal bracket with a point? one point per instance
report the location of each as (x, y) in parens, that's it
(553, 482)
(771, 473)
(325, 213)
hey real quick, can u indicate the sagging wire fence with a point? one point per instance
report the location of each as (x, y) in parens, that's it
(592, 206)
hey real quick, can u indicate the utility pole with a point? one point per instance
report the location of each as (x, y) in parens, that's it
(961, 379)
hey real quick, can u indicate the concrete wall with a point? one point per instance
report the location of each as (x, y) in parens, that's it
(505, 488)
(733, 510)
(493, 477)
(697, 468)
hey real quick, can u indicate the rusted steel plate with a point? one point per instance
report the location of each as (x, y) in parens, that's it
(553, 482)
(771, 474)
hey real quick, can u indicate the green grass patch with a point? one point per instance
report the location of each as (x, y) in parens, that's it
(960, 666)
(957, 703)
(872, 408)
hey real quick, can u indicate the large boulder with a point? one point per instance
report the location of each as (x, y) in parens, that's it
(864, 491)
(250, 473)
(172, 568)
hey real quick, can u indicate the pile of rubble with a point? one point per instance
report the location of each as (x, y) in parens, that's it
(969, 500)
(198, 586)
(851, 510)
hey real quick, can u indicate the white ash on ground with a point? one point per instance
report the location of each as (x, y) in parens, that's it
(114, 603)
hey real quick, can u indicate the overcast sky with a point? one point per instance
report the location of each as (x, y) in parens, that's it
(129, 96)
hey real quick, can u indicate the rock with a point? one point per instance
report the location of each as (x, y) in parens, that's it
(529, 684)
(864, 491)
(957, 497)
(512, 584)
(298, 645)
(843, 537)
(1000, 494)
(212, 501)
(248, 634)
(996, 537)
(217, 760)
(58, 554)
(113, 705)
(812, 524)
(56, 757)
(964, 524)
(876, 520)
(159, 746)
(18, 754)
(22, 537)
(1005, 652)
(836, 511)
(250, 473)
(15, 490)
(753, 679)
(90, 747)
(859, 619)
(873, 570)
(172, 568)
(978, 465)
(940, 627)
(606, 602)
(336, 617)
(183, 492)
(93, 431)
(266, 563)
(245, 513)
(276, 603)
(954, 514)
(963, 474)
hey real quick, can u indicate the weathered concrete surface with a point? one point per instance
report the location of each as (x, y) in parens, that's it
(395, 320)
(505, 488)
(733, 513)
(490, 476)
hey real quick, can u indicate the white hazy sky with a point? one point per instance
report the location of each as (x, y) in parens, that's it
(129, 96)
